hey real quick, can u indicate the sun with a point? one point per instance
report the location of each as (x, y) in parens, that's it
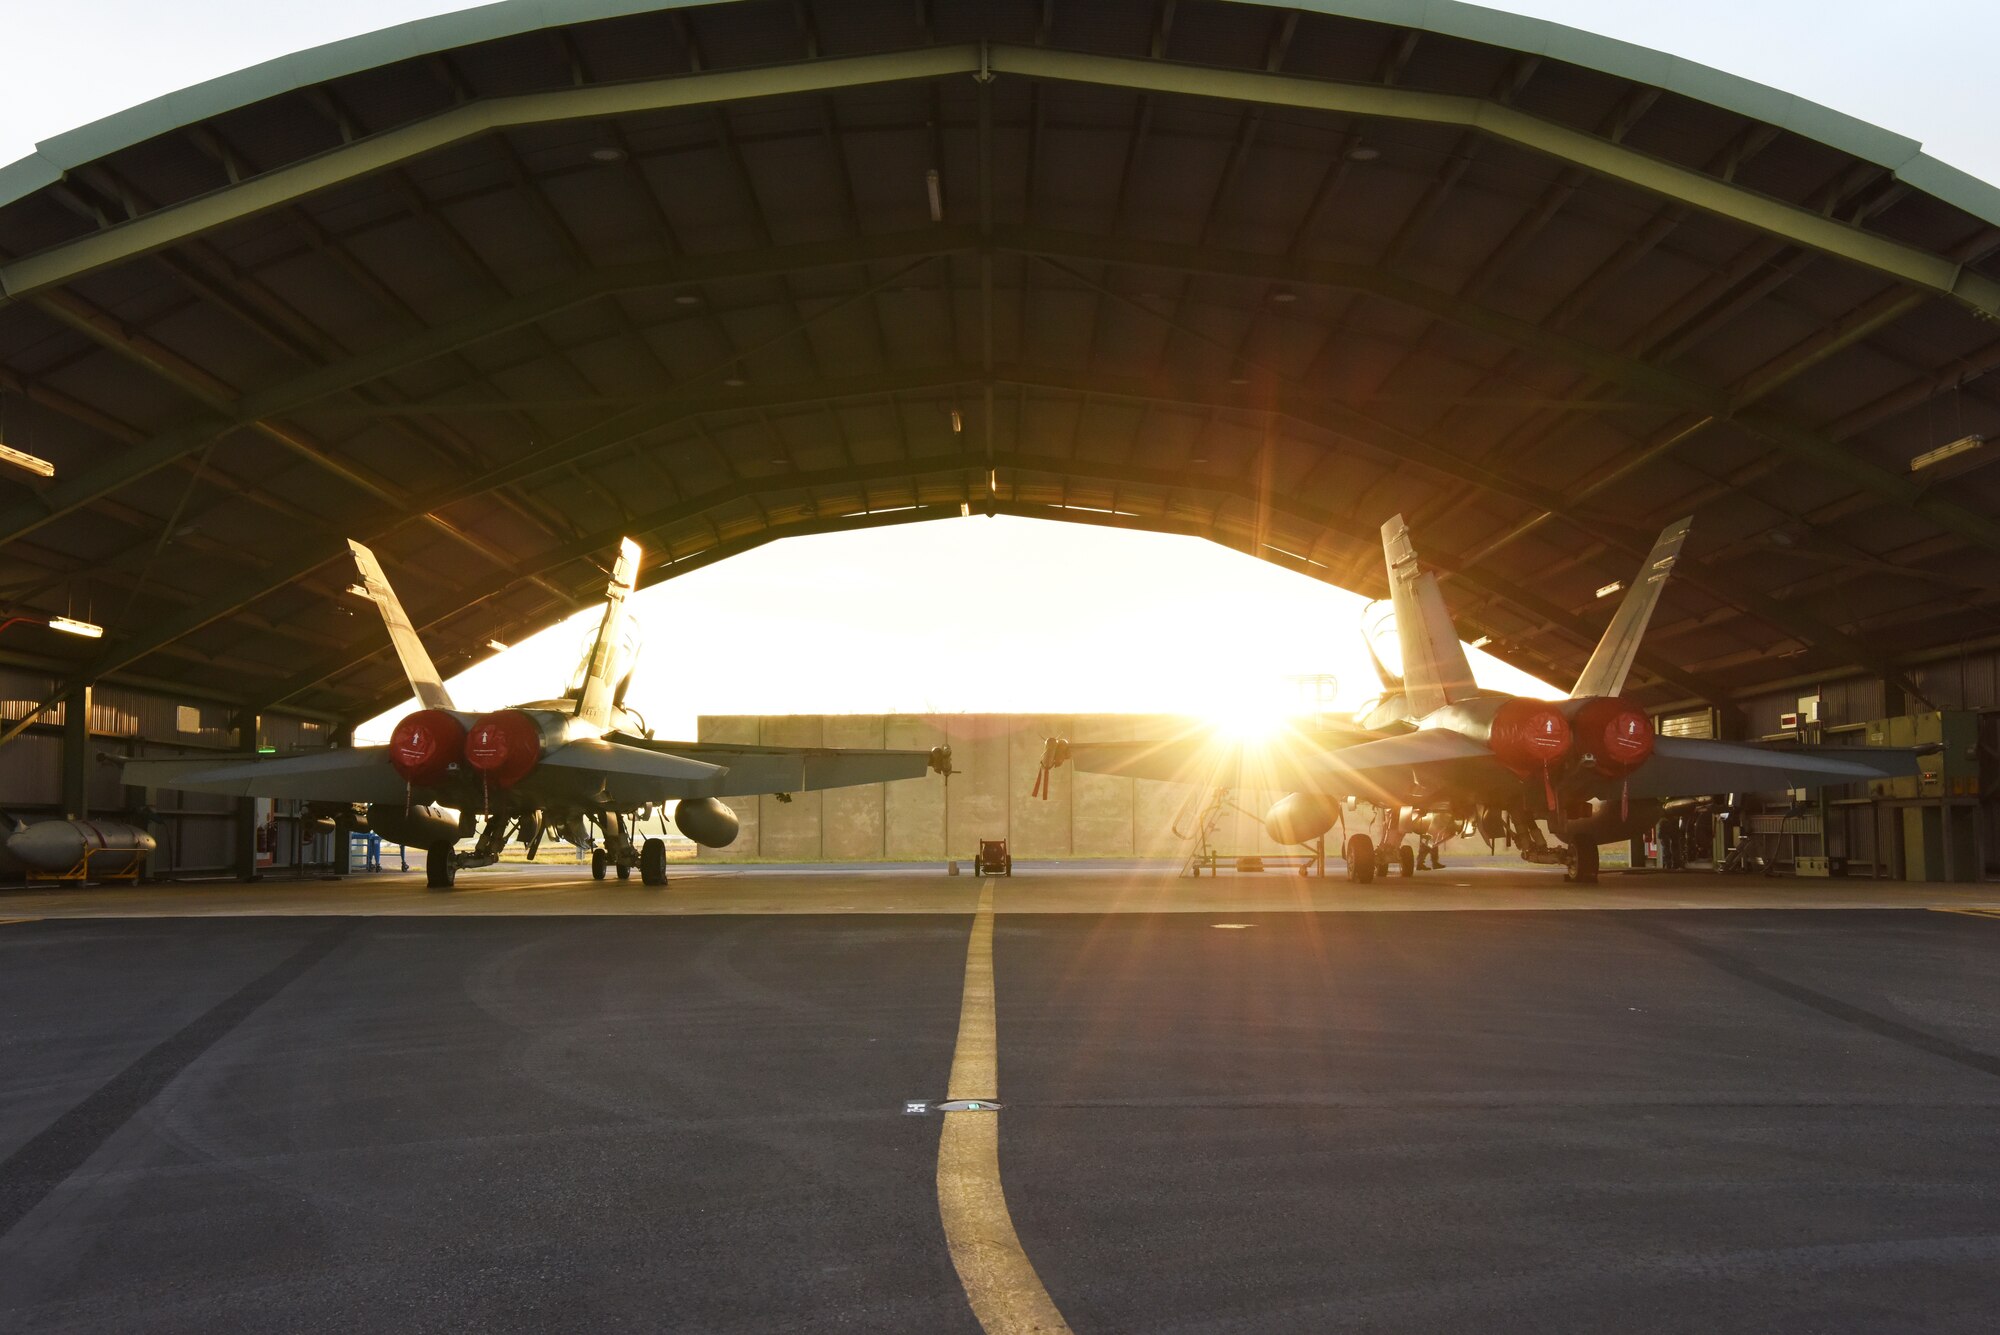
(1250, 719)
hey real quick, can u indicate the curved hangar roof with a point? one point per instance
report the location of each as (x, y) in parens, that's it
(491, 289)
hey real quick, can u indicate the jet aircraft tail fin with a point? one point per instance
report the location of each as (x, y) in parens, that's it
(417, 665)
(611, 652)
(1435, 670)
(1611, 662)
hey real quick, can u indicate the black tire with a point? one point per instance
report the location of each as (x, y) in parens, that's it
(1406, 861)
(597, 864)
(1361, 859)
(439, 873)
(1585, 870)
(624, 871)
(653, 862)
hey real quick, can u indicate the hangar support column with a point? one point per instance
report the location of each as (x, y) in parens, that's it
(245, 724)
(76, 753)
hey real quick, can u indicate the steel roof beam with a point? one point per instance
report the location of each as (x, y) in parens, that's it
(253, 409)
(1328, 417)
(379, 152)
(1630, 372)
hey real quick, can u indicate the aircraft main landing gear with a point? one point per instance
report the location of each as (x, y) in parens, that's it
(1361, 859)
(1583, 871)
(440, 873)
(598, 862)
(1406, 861)
(653, 862)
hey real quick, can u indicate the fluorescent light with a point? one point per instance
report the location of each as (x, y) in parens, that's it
(1932, 458)
(496, 646)
(935, 189)
(22, 459)
(957, 422)
(359, 591)
(1611, 588)
(1482, 642)
(71, 626)
(965, 509)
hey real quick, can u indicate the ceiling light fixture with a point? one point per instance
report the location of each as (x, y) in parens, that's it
(1363, 153)
(607, 154)
(40, 467)
(497, 647)
(1932, 458)
(934, 187)
(957, 422)
(358, 590)
(1611, 588)
(71, 626)
(1482, 642)
(686, 299)
(1284, 297)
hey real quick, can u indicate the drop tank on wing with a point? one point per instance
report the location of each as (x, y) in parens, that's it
(707, 821)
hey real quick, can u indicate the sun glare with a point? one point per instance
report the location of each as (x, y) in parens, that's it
(1251, 720)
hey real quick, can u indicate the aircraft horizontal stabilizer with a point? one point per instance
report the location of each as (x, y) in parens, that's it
(1694, 767)
(351, 774)
(1381, 768)
(1201, 758)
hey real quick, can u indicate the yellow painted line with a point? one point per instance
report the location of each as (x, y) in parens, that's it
(5, 921)
(1000, 1282)
(1968, 912)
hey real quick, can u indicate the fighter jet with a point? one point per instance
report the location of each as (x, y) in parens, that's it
(1438, 754)
(578, 761)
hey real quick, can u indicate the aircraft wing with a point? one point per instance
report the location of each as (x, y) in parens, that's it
(742, 770)
(1387, 769)
(1695, 767)
(350, 774)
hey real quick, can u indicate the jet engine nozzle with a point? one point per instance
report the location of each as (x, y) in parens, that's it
(505, 747)
(1615, 733)
(425, 745)
(1529, 735)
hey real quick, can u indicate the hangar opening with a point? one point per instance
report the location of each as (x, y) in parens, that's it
(490, 292)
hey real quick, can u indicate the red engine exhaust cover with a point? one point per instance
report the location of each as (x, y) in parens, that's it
(425, 745)
(1618, 734)
(505, 747)
(1528, 735)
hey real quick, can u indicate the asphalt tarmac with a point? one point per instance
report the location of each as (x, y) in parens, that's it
(1218, 1114)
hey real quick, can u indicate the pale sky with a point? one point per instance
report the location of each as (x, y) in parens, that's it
(897, 619)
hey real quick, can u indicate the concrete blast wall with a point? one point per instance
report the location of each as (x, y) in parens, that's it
(1085, 816)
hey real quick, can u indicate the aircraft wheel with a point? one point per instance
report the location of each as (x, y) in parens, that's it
(624, 871)
(653, 862)
(1361, 859)
(439, 873)
(1406, 861)
(1585, 872)
(597, 864)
